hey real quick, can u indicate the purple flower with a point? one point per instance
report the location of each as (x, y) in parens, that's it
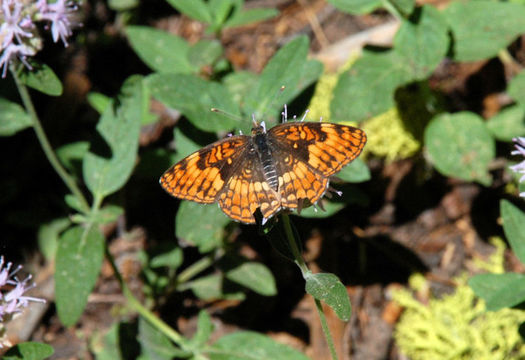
(12, 298)
(14, 24)
(13, 51)
(59, 13)
(519, 144)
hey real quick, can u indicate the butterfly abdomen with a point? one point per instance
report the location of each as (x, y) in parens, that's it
(267, 162)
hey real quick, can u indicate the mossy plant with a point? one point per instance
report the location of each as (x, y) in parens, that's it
(458, 326)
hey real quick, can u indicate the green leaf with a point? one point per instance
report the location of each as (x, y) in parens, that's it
(220, 10)
(499, 290)
(239, 84)
(78, 260)
(42, 78)
(210, 287)
(171, 258)
(200, 225)
(13, 118)
(205, 52)
(284, 69)
(516, 88)
(422, 41)
(355, 172)
(250, 16)
(330, 208)
(459, 145)
(254, 276)
(29, 351)
(195, 9)
(195, 98)
(122, 5)
(482, 28)
(513, 226)
(247, 345)
(155, 345)
(98, 101)
(161, 51)
(370, 84)
(356, 6)
(508, 123)
(48, 235)
(72, 154)
(108, 169)
(107, 214)
(404, 6)
(74, 203)
(328, 288)
(204, 330)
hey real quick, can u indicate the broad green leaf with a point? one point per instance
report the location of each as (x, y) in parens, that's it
(355, 172)
(459, 145)
(195, 98)
(367, 88)
(480, 29)
(107, 168)
(161, 51)
(204, 330)
(220, 10)
(254, 276)
(29, 351)
(514, 228)
(327, 287)
(508, 123)
(423, 41)
(239, 84)
(284, 69)
(250, 16)
(78, 260)
(42, 78)
(516, 88)
(210, 287)
(107, 214)
(155, 345)
(171, 258)
(205, 52)
(247, 345)
(13, 118)
(499, 290)
(200, 225)
(48, 235)
(356, 6)
(195, 9)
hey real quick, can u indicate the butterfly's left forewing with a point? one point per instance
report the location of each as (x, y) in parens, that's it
(202, 175)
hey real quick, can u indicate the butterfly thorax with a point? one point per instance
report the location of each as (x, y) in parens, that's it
(264, 152)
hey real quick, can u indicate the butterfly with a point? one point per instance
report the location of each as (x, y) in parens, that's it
(267, 170)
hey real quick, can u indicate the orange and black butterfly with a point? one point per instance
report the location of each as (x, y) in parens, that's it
(270, 170)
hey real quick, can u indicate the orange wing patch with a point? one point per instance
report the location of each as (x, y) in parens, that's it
(200, 176)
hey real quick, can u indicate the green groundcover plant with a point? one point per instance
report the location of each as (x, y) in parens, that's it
(460, 145)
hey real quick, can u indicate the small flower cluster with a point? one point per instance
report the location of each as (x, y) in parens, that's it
(519, 143)
(12, 299)
(19, 37)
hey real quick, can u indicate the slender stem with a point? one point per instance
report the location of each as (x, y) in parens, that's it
(194, 269)
(44, 143)
(293, 244)
(305, 271)
(143, 311)
(326, 330)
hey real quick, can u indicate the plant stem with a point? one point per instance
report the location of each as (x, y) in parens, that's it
(293, 242)
(147, 314)
(44, 143)
(326, 330)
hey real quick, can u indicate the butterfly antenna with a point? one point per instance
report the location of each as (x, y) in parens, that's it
(305, 113)
(225, 113)
(281, 89)
(284, 114)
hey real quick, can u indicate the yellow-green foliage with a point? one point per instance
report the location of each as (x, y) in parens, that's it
(387, 136)
(457, 327)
